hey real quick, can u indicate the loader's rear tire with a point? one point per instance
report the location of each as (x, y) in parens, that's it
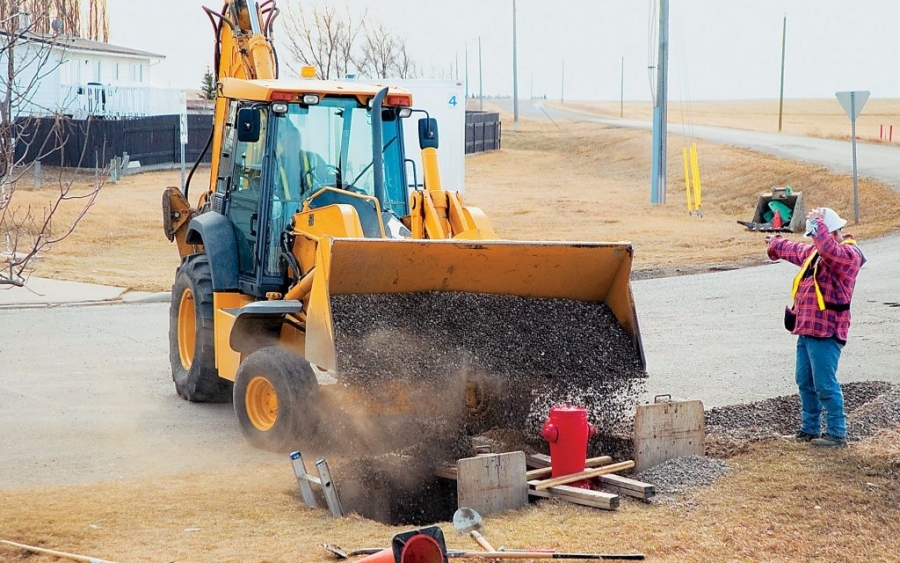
(191, 343)
(276, 399)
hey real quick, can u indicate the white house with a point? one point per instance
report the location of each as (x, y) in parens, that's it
(66, 75)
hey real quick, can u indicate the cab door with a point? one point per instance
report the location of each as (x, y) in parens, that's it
(245, 209)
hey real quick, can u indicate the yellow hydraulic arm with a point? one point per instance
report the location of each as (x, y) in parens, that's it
(439, 214)
(243, 50)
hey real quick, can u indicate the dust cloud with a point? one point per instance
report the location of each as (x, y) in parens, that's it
(422, 375)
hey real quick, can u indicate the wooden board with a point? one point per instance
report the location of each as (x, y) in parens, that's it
(586, 474)
(492, 483)
(626, 487)
(622, 486)
(667, 430)
(544, 472)
(576, 495)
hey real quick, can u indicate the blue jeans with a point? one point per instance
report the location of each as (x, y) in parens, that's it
(817, 363)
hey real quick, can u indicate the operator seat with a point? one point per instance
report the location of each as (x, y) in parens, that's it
(365, 209)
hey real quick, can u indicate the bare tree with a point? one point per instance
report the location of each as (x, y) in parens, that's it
(98, 20)
(64, 16)
(26, 58)
(336, 44)
(320, 37)
(384, 54)
(44, 12)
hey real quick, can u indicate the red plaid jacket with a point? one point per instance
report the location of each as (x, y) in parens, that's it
(838, 266)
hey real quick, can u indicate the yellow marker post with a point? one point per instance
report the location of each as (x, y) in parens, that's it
(698, 188)
(687, 179)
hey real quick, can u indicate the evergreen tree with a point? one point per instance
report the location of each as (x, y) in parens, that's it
(208, 89)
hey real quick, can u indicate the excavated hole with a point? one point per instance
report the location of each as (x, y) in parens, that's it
(422, 374)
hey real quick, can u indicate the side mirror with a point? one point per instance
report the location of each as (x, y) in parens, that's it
(428, 133)
(248, 125)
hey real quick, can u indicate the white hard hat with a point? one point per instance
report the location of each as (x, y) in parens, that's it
(833, 221)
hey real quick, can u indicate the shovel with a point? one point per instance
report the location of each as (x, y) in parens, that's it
(467, 521)
(343, 554)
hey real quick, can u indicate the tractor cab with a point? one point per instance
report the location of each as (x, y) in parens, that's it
(301, 153)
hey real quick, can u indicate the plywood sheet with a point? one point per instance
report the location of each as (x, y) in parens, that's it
(667, 430)
(492, 483)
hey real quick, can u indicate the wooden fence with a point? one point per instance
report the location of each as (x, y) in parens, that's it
(482, 131)
(154, 141)
(95, 142)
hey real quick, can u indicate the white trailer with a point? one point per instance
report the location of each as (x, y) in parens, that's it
(445, 101)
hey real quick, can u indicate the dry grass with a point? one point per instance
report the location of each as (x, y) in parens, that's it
(587, 182)
(583, 182)
(781, 501)
(811, 118)
(120, 242)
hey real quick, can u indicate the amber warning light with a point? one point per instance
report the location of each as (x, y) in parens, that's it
(398, 100)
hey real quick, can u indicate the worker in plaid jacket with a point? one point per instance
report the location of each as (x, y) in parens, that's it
(820, 317)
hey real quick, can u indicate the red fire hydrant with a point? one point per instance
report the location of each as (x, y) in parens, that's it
(568, 431)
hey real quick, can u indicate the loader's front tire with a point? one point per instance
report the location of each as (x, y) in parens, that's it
(191, 343)
(276, 399)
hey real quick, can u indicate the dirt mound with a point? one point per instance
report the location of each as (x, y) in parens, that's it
(869, 405)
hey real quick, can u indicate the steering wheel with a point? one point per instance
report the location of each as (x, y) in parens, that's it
(332, 174)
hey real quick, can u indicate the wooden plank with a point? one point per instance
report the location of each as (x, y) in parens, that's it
(445, 472)
(544, 472)
(538, 460)
(576, 495)
(492, 483)
(668, 430)
(303, 480)
(586, 474)
(627, 487)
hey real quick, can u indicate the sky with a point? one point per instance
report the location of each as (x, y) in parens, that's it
(586, 49)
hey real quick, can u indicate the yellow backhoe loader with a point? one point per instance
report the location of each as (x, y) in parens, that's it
(314, 214)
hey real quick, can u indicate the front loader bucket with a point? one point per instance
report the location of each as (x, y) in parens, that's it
(585, 273)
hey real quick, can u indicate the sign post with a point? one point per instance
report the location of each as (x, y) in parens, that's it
(183, 128)
(853, 102)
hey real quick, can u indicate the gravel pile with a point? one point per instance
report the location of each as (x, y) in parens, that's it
(525, 354)
(869, 405)
(881, 412)
(684, 473)
(463, 365)
(460, 365)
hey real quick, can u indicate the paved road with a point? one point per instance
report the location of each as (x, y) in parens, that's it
(86, 395)
(881, 162)
(85, 391)
(719, 337)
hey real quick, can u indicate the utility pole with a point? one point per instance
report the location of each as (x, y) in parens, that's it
(562, 86)
(622, 91)
(467, 71)
(480, 78)
(515, 74)
(781, 93)
(660, 125)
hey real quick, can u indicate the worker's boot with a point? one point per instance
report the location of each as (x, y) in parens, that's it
(829, 441)
(802, 436)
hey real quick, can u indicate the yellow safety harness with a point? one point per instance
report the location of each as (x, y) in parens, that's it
(305, 175)
(803, 272)
(307, 170)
